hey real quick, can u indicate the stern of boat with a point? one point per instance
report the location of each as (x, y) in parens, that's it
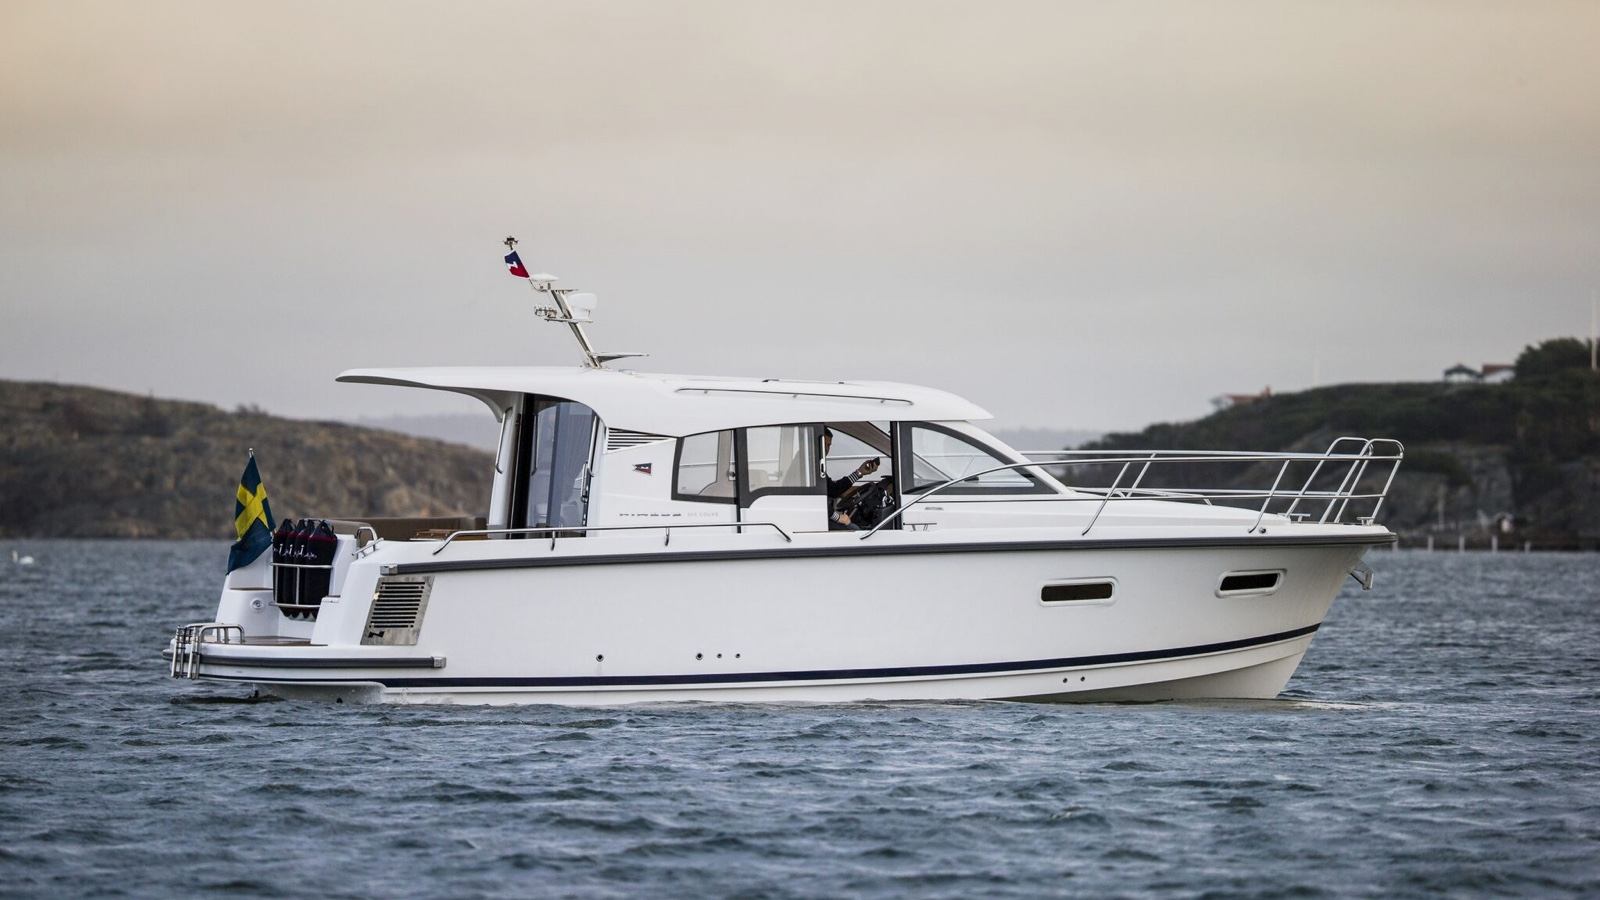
(296, 626)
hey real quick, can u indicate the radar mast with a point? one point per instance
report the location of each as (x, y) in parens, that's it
(574, 309)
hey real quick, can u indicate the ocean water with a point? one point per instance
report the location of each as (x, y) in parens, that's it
(1442, 737)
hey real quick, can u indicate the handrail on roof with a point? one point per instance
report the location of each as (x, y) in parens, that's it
(897, 401)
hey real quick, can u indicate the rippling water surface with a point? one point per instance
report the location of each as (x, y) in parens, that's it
(1441, 736)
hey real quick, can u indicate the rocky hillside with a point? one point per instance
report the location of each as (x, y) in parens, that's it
(85, 462)
(1519, 459)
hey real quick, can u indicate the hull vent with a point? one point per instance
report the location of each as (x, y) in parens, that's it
(620, 439)
(398, 606)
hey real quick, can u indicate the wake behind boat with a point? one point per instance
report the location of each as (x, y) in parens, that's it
(658, 537)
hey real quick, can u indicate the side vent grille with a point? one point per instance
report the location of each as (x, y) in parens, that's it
(398, 606)
(620, 439)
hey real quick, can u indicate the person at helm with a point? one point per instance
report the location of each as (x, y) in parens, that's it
(840, 521)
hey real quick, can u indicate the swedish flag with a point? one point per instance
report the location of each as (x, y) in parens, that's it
(252, 518)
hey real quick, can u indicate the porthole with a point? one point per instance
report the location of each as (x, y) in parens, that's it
(1239, 584)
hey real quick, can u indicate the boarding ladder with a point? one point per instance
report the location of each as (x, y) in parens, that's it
(186, 644)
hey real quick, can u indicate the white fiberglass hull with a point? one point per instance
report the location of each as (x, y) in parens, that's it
(1258, 673)
(824, 619)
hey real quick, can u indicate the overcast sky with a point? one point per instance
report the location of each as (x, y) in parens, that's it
(1079, 215)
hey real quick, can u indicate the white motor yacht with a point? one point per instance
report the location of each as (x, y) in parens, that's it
(656, 537)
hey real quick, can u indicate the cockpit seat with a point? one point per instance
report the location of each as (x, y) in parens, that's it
(405, 528)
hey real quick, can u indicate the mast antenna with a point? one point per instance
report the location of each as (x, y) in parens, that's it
(572, 308)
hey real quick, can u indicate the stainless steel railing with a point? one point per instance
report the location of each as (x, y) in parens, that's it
(556, 533)
(1355, 454)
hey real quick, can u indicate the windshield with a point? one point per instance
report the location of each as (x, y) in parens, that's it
(938, 456)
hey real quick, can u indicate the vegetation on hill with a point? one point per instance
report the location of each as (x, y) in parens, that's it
(1476, 454)
(85, 462)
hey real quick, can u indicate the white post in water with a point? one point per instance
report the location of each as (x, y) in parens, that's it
(1461, 543)
(1494, 543)
(1527, 546)
(1430, 543)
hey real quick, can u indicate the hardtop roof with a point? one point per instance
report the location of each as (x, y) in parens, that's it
(678, 405)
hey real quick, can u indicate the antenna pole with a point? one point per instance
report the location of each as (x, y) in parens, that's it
(592, 360)
(1594, 332)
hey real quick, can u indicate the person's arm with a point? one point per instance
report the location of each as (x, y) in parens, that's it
(837, 486)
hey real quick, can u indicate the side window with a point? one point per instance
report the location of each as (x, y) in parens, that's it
(705, 468)
(780, 459)
(938, 456)
(849, 451)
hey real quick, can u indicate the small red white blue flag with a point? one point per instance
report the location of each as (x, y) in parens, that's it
(515, 262)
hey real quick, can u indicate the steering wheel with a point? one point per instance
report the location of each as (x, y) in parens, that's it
(869, 502)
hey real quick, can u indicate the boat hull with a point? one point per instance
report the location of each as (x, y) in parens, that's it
(1259, 673)
(788, 627)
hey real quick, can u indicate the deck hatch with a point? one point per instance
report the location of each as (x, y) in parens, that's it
(398, 606)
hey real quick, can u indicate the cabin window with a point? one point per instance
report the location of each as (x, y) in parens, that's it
(556, 443)
(780, 459)
(704, 469)
(938, 455)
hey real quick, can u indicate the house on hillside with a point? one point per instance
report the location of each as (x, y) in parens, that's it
(1498, 373)
(1228, 401)
(1491, 373)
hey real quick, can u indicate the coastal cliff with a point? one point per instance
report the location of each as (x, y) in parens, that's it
(1519, 460)
(85, 462)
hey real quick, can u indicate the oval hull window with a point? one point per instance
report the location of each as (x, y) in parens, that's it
(1099, 589)
(1235, 584)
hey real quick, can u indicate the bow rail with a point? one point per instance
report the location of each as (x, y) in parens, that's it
(1350, 459)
